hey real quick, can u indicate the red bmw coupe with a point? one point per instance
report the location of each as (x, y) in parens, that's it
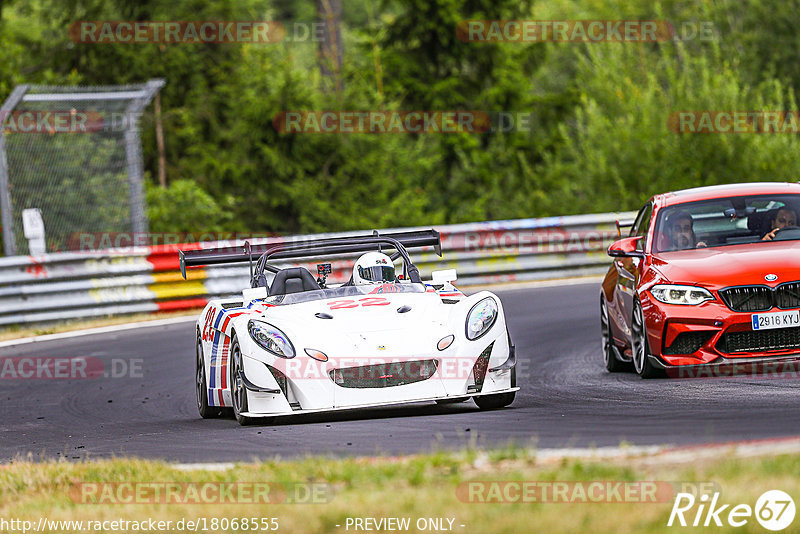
(707, 276)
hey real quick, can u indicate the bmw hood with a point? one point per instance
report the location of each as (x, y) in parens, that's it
(719, 267)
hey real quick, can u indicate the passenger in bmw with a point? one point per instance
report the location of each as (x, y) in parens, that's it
(784, 217)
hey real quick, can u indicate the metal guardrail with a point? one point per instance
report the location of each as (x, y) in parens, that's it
(71, 285)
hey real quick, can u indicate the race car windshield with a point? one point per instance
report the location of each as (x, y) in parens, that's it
(346, 291)
(377, 273)
(727, 221)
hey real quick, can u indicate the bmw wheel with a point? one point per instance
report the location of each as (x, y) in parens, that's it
(640, 346)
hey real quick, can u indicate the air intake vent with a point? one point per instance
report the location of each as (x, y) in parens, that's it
(688, 343)
(760, 340)
(384, 375)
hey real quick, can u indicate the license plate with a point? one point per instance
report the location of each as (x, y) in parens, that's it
(784, 319)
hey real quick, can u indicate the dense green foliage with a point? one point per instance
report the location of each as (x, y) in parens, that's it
(598, 137)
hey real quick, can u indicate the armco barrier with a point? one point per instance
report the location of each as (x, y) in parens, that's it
(86, 284)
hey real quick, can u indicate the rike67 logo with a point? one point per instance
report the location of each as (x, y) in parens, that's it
(774, 510)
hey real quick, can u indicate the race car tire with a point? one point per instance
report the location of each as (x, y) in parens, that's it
(640, 345)
(501, 400)
(494, 402)
(238, 391)
(610, 360)
(201, 387)
(452, 400)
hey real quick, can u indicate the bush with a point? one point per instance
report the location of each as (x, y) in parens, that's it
(185, 207)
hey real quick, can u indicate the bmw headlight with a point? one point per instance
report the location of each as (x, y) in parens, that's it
(270, 339)
(481, 318)
(677, 294)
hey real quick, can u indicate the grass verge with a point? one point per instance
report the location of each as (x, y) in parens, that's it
(416, 487)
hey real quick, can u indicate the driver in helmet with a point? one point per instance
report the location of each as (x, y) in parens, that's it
(373, 268)
(784, 217)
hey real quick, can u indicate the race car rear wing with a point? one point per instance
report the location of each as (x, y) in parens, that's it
(315, 247)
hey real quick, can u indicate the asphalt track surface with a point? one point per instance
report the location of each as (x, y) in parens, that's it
(567, 400)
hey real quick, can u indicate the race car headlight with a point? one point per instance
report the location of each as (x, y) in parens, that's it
(676, 294)
(270, 339)
(481, 318)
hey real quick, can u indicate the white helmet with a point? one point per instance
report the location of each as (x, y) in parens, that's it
(373, 268)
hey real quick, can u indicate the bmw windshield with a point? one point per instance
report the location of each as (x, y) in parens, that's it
(727, 221)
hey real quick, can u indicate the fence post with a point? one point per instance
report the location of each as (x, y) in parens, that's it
(7, 219)
(133, 156)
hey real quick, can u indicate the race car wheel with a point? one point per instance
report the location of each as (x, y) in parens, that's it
(493, 402)
(610, 360)
(238, 391)
(640, 345)
(201, 387)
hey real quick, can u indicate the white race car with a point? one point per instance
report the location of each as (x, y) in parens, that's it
(293, 345)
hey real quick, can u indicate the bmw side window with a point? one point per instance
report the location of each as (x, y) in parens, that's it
(642, 224)
(636, 222)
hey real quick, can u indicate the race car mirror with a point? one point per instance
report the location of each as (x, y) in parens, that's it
(626, 248)
(444, 276)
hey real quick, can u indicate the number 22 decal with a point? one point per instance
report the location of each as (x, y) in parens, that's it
(208, 326)
(349, 303)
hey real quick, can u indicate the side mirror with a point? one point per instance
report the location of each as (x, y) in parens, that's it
(444, 276)
(626, 248)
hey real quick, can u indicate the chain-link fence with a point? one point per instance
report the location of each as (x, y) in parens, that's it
(73, 153)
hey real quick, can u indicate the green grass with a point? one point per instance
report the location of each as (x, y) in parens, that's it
(416, 487)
